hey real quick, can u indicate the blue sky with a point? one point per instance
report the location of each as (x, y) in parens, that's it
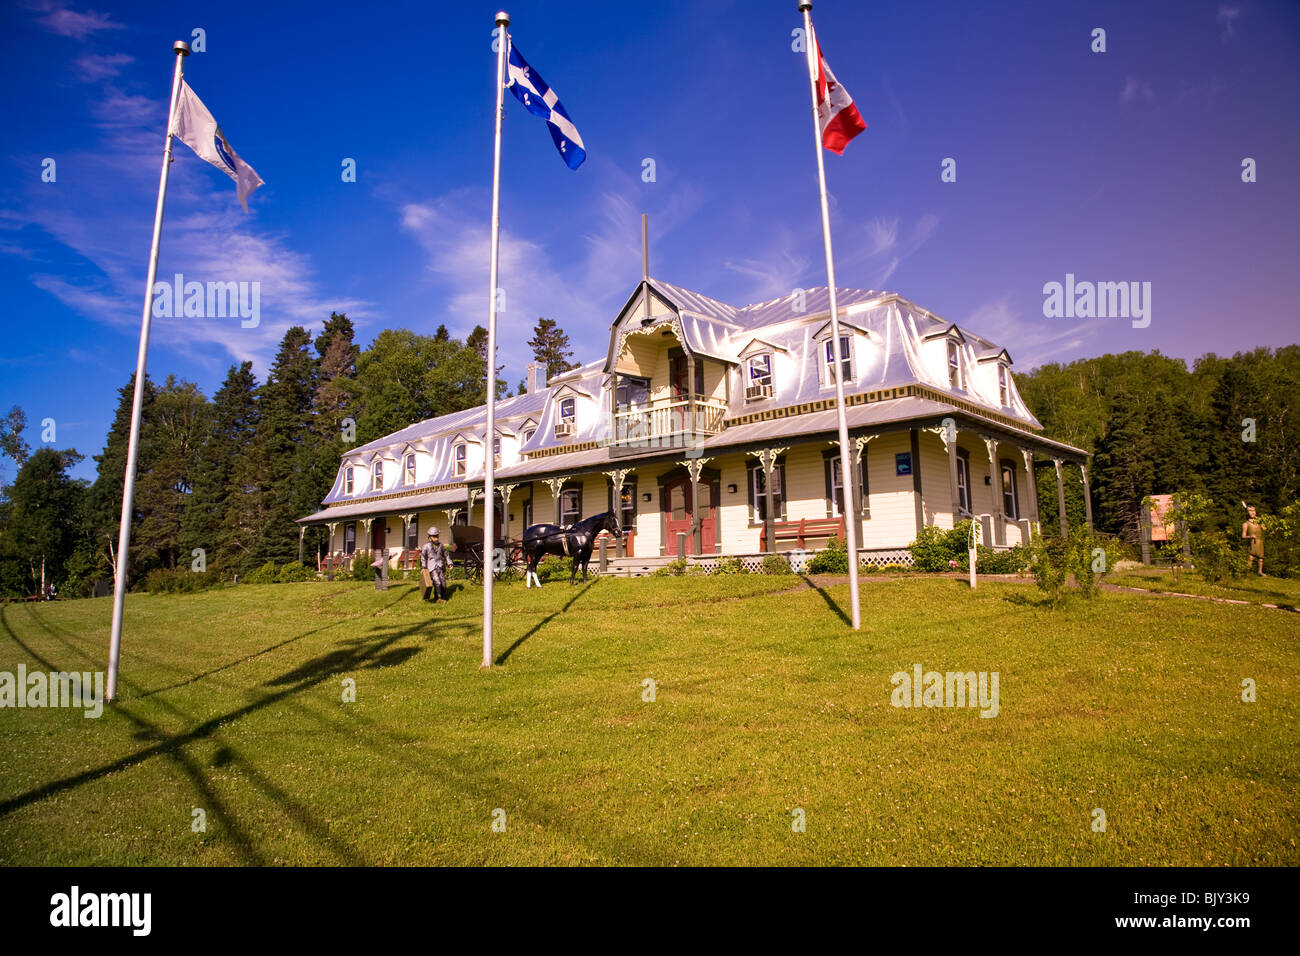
(1115, 166)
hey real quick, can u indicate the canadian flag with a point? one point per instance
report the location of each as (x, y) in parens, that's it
(838, 118)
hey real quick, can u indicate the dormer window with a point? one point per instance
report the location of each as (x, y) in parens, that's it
(954, 365)
(568, 410)
(410, 468)
(379, 477)
(758, 384)
(528, 435)
(347, 480)
(496, 451)
(458, 457)
(1004, 385)
(828, 361)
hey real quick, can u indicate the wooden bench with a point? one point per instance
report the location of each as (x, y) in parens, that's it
(803, 528)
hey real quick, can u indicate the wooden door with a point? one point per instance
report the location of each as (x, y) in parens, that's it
(679, 511)
(379, 535)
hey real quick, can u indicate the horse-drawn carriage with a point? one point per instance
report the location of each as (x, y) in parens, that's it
(470, 553)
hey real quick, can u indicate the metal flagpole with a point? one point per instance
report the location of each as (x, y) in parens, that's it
(182, 50)
(846, 471)
(489, 448)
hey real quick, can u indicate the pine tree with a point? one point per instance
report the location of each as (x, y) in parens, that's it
(104, 500)
(171, 439)
(231, 431)
(550, 345)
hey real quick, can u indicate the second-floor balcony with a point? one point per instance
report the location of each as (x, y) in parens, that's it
(670, 422)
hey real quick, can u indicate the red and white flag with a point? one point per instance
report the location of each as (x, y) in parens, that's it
(838, 118)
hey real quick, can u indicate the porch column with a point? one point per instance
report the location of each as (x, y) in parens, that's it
(505, 491)
(555, 484)
(767, 461)
(1060, 499)
(694, 466)
(302, 530)
(1087, 495)
(995, 477)
(690, 395)
(366, 523)
(948, 435)
(616, 478)
(1028, 456)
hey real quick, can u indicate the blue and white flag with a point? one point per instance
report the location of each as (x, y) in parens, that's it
(194, 126)
(531, 90)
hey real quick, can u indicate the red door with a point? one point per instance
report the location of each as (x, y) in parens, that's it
(679, 511)
(379, 534)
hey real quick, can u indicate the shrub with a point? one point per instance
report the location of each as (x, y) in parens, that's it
(935, 549)
(674, 568)
(179, 581)
(776, 564)
(1048, 559)
(833, 559)
(991, 561)
(730, 565)
(361, 569)
(553, 568)
(293, 571)
(266, 574)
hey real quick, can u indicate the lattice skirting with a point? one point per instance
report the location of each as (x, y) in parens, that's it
(753, 563)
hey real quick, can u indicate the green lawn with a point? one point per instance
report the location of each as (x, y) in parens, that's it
(765, 703)
(1252, 588)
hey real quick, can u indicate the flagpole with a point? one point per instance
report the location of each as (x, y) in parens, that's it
(182, 50)
(489, 447)
(846, 471)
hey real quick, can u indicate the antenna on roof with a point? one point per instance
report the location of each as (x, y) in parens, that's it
(645, 247)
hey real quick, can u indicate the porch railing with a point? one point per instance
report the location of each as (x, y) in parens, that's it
(671, 418)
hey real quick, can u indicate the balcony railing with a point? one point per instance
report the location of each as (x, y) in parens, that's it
(676, 421)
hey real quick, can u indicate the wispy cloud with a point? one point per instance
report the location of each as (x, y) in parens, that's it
(1227, 18)
(63, 20)
(1137, 89)
(1031, 339)
(94, 67)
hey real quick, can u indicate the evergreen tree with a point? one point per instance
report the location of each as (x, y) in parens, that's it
(104, 502)
(41, 521)
(171, 439)
(550, 345)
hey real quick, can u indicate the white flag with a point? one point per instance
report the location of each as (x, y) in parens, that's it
(194, 126)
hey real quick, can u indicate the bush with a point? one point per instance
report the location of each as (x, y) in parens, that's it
(293, 571)
(776, 564)
(935, 549)
(992, 561)
(179, 581)
(266, 574)
(553, 568)
(833, 559)
(674, 568)
(730, 565)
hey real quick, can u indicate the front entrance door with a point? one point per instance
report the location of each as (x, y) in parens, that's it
(679, 510)
(379, 534)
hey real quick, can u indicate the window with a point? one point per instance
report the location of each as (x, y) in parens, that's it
(347, 480)
(1004, 385)
(758, 492)
(828, 361)
(568, 410)
(759, 378)
(963, 481)
(625, 507)
(528, 435)
(462, 518)
(1010, 500)
(954, 364)
(378, 484)
(528, 512)
(410, 469)
(570, 506)
(496, 450)
(835, 484)
(350, 537)
(458, 455)
(413, 535)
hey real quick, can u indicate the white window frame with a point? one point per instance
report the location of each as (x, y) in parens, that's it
(528, 435)
(348, 480)
(565, 511)
(766, 377)
(1008, 473)
(1004, 385)
(826, 362)
(953, 359)
(760, 497)
(410, 468)
(963, 483)
(459, 459)
(571, 417)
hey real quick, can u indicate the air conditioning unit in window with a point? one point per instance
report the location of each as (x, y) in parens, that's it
(563, 429)
(753, 392)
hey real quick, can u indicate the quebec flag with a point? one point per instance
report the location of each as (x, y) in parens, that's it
(194, 126)
(531, 90)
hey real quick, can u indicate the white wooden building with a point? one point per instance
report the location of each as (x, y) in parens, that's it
(712, 429)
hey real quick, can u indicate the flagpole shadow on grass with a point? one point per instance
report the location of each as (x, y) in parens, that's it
(543, 622)
(830, 602)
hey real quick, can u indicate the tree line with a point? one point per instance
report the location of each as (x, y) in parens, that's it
(229, 475)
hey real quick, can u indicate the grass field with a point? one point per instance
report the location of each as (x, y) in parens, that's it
(764, 704)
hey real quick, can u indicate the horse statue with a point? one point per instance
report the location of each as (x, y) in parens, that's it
(576, 542)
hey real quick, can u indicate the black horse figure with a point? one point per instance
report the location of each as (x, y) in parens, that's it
(575, 542)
